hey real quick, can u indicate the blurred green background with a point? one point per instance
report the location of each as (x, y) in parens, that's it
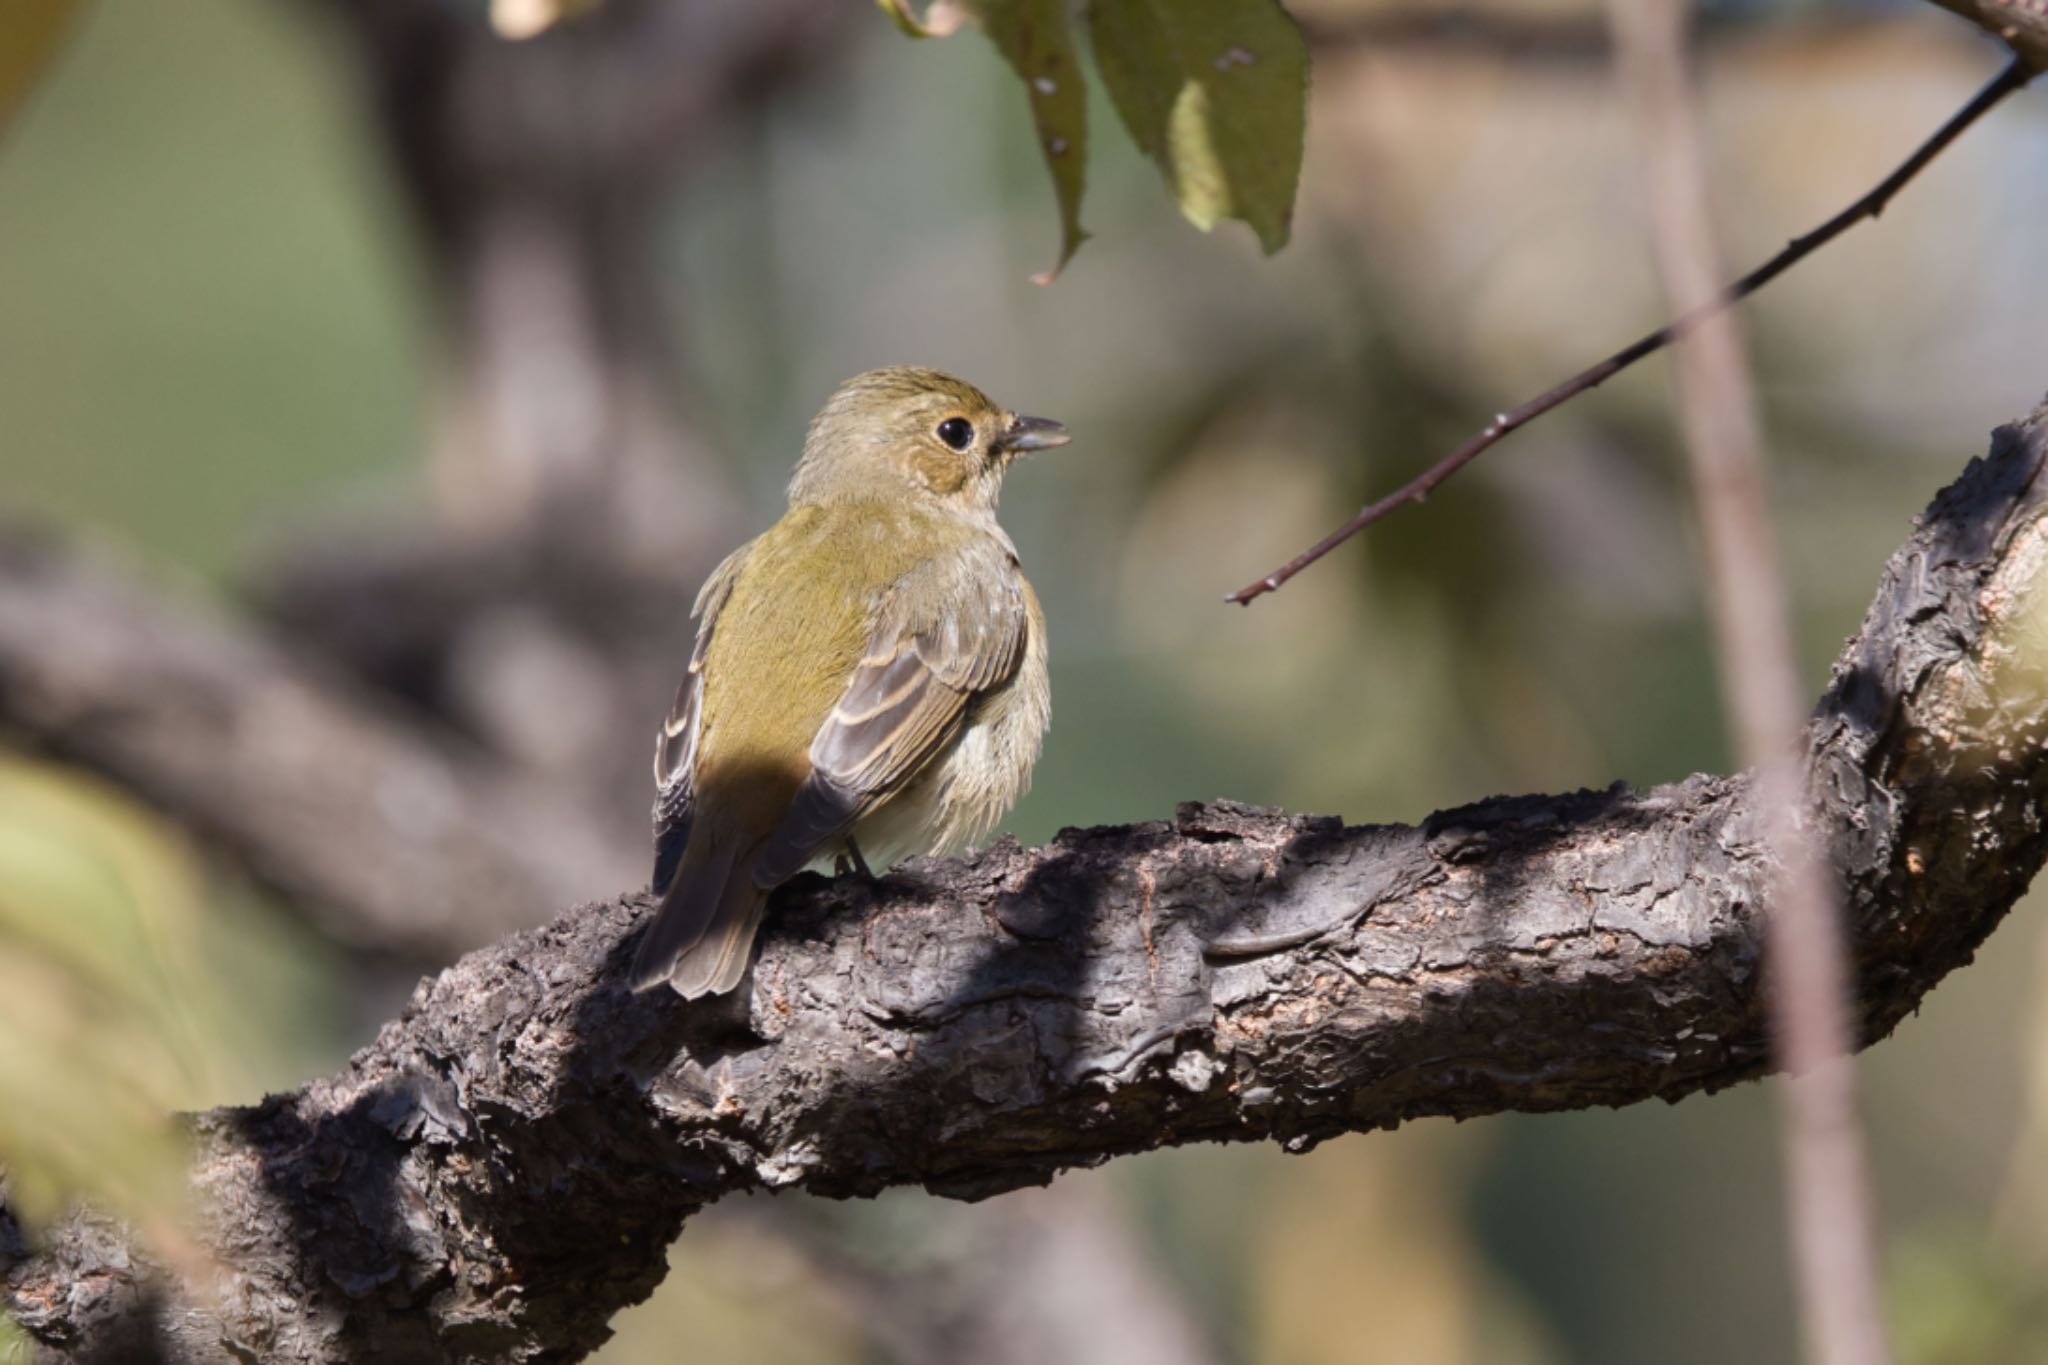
(216, 320)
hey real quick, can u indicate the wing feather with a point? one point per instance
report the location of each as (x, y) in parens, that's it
(930, 655)
(675, 747)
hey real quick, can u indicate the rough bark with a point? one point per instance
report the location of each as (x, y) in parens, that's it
(502, 1169)
(2021, 25)
(389, 832)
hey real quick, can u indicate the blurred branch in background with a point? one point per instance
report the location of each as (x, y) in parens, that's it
(541, 608)
(185, 358)
(1830, 1218)
(537, 606)
(1055, 1275)
(389, 833)
(466, 749)
(31, 31)
(1052, 1275)
(538, 170)
(505, 1167)
(405, 842)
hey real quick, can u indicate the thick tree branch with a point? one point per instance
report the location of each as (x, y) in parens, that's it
(2021, 25)
(385, 831)
(502, 1169)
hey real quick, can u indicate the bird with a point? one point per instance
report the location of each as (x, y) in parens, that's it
(868, 680)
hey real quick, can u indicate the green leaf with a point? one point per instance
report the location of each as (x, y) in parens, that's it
(95, 1045)
(940, 19)
(29, 33)
(1035, 38)
(129, 989)
(1216, 92)
(1038, 43)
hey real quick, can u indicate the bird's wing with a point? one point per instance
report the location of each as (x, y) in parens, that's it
(945, 634)
(675, 748)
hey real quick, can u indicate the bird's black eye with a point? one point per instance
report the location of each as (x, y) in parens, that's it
(956, 432)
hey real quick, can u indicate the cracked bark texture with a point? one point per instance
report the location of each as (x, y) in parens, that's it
(503, 1168)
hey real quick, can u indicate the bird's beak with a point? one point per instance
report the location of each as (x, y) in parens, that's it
(1025, 434)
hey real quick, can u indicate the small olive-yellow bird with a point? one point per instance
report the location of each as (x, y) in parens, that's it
(869, 675)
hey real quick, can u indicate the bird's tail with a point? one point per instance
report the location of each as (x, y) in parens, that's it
(702, 934)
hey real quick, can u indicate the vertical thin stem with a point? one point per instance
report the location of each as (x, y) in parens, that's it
(1832, 1223)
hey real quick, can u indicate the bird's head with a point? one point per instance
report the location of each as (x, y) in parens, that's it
(941, 436)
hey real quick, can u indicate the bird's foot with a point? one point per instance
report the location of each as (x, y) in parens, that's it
(850, 860)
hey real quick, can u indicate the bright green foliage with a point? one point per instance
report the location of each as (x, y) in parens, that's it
(1035, 39)
(96, 1044)
(1214, 91)
(127, 992)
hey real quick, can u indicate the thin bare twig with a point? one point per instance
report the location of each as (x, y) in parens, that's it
(2014, 77)
(1832, 1221)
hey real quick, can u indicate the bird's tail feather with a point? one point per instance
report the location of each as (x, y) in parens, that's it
(716, 962)
(703, 930)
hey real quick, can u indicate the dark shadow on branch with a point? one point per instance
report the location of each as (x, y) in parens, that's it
(503, 1168)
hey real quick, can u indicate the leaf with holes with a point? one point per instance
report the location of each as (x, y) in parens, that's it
(1036, 39)
(1216, 92)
